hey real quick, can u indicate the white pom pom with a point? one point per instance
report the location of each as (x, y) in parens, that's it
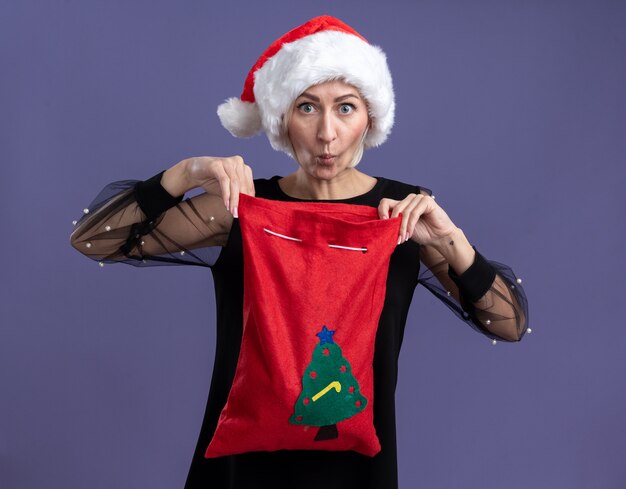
(241, 119)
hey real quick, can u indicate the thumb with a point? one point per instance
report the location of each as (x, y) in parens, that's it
(383, 208)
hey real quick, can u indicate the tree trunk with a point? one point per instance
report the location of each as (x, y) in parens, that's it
(328, 432)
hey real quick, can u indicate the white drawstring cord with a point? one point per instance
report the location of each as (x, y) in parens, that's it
(347, 248)
(281, 235)
(351, 248)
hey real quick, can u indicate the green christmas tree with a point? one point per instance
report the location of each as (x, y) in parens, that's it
(330, 393)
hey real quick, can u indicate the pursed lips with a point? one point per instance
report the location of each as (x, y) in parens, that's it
(326, 158)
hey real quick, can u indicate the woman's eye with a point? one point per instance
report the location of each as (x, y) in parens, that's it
(306, 108)
(346, 108)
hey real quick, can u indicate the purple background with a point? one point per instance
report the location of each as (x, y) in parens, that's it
(514, 113)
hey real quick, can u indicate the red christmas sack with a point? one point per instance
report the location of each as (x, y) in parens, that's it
(314, 286)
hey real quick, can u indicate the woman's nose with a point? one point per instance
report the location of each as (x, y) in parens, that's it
(326, 131)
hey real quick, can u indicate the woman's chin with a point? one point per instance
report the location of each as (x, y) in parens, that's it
(324, 173)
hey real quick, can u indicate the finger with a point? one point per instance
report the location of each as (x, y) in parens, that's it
(224, 182)
(237, 184)
(249, 180)
(407, 212)
(401, 205)
(420, 205)
(229, 167)
(398, 207)
(383, 208)
(234, 195)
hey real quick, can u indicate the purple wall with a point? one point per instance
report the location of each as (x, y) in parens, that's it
(514, 113)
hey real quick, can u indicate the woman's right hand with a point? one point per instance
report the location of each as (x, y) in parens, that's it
(226, 177)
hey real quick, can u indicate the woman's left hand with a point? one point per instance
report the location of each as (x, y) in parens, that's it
(422, 218)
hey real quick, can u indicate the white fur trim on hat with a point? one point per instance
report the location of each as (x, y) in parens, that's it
(242, 119)
(311, 60)
(318, 58)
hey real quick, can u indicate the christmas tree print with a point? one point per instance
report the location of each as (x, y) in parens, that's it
(330, 392)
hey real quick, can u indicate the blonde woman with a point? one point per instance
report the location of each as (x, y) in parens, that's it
(323, 95)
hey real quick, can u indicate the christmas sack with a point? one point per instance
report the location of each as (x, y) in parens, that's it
(314, 286)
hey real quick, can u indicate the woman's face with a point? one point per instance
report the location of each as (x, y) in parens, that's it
(326, 127)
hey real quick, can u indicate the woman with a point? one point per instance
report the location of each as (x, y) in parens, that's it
(322, 94)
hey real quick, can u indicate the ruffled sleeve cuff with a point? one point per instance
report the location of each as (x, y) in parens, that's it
(152, 198)
(474, 282)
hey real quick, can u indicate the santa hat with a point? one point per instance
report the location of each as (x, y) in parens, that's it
(322, 49)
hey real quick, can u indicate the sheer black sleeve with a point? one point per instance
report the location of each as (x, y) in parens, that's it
(488, 295)
(139, 223)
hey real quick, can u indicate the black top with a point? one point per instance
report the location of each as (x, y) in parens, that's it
(139, 223)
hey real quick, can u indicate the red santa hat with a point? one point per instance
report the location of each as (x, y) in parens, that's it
(322, 49)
